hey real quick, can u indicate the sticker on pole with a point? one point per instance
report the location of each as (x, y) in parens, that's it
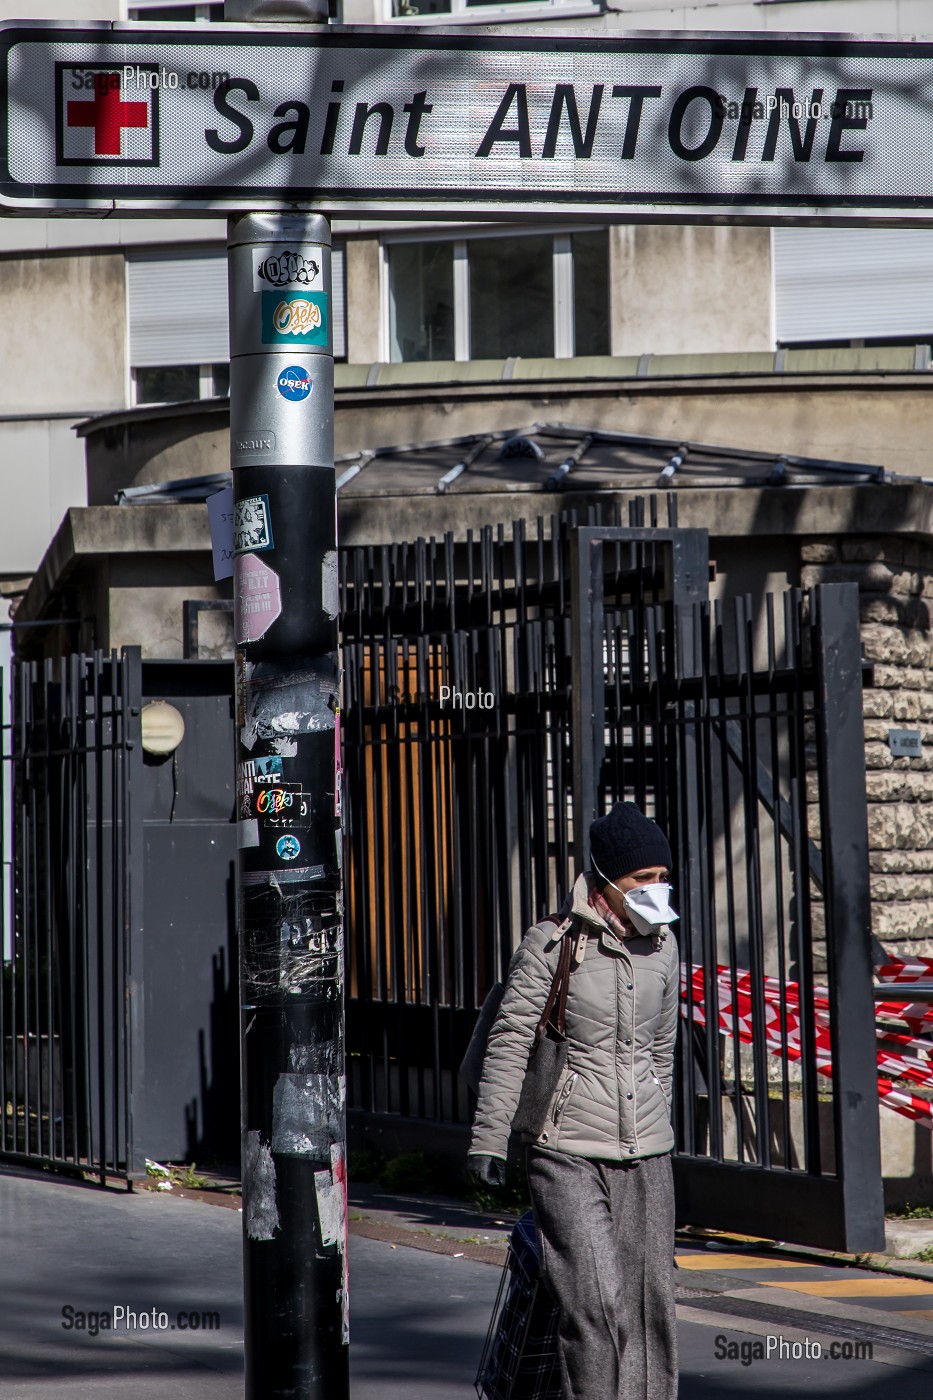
(257, 598)
(252, 525)
(294, 384)
(294, 318)
(289, 270)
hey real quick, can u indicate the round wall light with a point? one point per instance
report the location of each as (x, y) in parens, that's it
(163, 728)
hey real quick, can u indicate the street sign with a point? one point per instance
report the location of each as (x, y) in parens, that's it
(380, 121)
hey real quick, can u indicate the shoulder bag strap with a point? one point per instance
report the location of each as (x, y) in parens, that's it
(558, 992)
(560, 1022)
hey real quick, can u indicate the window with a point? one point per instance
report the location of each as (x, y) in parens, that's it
(212, 10)
(590, 253)
(179, 383)
(511, 297)
(488, 298)
(177, 14)
(482, 11)
(421, 307)
(179, 340)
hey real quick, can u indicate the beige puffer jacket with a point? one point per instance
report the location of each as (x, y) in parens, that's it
(614, 1097)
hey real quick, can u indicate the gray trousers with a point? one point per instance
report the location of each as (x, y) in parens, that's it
(606, 1236)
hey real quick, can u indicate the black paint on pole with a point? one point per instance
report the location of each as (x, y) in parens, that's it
(288, 747)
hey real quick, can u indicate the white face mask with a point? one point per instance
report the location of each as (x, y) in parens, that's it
(649, 907)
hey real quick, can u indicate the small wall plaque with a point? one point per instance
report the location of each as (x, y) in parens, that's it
(904, 743)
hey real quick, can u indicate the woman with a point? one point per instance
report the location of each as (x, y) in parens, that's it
(600, 1172)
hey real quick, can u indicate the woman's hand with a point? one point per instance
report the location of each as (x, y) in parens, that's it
(490, 1171)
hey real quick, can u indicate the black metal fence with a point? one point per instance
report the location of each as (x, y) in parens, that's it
(604, 674)
(65, 1029)
(501, 691)
(458, 742)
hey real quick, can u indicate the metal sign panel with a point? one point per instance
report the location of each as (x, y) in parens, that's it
(737, 127)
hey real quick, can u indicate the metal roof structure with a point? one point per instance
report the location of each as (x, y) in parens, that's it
(550, 457)
(556, 456)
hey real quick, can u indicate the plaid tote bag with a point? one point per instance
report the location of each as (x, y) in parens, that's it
(520, 1358)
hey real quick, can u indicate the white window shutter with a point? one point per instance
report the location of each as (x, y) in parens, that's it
(338, 299)
(178, 308)
(852, 284)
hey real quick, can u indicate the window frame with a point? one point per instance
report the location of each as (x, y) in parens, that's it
(206, 383)
(562, 262)
(206, 11)
(506, 12)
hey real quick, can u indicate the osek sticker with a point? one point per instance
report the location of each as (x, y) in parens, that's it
(294, 383)
(294, 318)
(293, 271)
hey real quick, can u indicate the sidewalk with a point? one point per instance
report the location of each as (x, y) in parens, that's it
(423, 1276)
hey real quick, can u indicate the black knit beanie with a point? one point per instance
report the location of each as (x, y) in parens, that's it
(625, 840)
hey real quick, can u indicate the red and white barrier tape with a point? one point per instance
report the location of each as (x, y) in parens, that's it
(899, 1026)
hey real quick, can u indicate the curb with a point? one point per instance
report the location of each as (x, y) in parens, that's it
(434, 1244)
(878, 1263)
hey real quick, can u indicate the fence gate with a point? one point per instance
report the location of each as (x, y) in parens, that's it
(742, 733)
(65, 1026)
(499, 687)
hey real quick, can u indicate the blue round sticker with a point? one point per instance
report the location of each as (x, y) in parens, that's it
(287, 847)
(294, 383)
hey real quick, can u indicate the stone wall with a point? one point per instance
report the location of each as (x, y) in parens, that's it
(895, 579)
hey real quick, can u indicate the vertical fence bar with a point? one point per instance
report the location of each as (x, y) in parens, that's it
(844, 824)
(712, 993)
(586, 581)
(753, 869)
(132, 868)
(800, 651)
(45, 935)
(99, 1122)
(710, 1035)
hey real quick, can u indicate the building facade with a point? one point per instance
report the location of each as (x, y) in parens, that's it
(798, 340)
(105, 315)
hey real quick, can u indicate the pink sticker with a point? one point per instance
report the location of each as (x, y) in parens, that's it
(258, 597)
(338, 768)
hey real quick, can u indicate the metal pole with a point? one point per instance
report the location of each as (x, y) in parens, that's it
(289, 876)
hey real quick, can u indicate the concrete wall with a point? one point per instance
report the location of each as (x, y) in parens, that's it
(865, 418)
(679, 290)
(62, 357)
(150, 614)
(64, 321)
(847, 16)
(42, 473)
(154, 445)
(72, 10)
(364, 306)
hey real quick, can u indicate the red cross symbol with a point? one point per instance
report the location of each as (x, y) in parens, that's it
(108, 114)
